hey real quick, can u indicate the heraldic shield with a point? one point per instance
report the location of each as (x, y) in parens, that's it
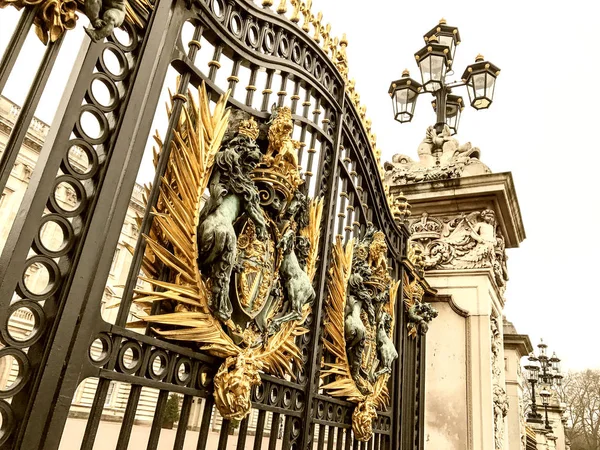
(255, 272)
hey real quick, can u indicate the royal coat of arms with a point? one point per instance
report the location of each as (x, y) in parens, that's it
(240, 262)
(358, 333)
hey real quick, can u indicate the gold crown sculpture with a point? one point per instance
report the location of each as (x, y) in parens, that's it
(249, 128)
(279, 167)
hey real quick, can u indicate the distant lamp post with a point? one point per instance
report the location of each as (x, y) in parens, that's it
(435, 60)
(545, 394)
(544, 371)
(532, 370)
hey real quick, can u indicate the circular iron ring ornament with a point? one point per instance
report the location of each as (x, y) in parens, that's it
(106, 351)
(8, 421)
(128, 28)
(163, 358)
(118, 54)
(236, 24)
(54, 205)
(252, 34)
(68, 237)
(39, 323)
(112, 89)
(136, 358)
(102, 124)
(269, 41)
(185, 363)
(92, 157)
(23, 372)
(53, 279)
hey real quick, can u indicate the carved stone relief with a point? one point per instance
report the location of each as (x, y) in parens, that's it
(461, 242)
(499, 394)
(440, 157)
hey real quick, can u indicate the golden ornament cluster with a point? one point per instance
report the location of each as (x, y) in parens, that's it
(172, 241)
(343, 384)
(54, 17)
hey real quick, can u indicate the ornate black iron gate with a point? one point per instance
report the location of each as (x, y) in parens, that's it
(263, 57)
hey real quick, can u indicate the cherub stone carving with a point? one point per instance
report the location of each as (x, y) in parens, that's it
(105, 16)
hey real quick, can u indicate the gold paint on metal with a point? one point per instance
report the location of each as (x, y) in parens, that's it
(343, 384)
(52, 19)
(172, 242)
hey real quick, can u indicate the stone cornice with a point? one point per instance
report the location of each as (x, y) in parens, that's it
(519, 342)
(462, 195)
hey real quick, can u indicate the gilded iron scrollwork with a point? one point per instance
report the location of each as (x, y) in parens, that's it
(359, 327)
(242, 262)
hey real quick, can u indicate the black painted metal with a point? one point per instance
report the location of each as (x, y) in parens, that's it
(337, 163)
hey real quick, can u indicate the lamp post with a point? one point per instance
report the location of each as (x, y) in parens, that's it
(545, 371)
(435, 61)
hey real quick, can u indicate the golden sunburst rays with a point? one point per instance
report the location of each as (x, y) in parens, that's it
(334, 339)
(172, 243)
(313, 232)
(172, 238)
(343, 385)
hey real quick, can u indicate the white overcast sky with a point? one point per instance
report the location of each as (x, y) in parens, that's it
(543, 127)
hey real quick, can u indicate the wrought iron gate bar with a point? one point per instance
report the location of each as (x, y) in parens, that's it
(83, 274)
(21, 126)
(15, 44)
(129, 417)
(287, 66)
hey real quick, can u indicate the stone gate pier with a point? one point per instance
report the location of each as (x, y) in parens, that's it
(464, 217)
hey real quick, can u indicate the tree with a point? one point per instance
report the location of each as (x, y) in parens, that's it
(581, 393)
(171, 414)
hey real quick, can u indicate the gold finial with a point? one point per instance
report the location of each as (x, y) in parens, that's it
(267, 3)
(433, 38)
(405, 73)
(296, 13)
(479, 58)
(344, 40)
(442, 21)
(249, 128)
(282, 8)
(318, 26)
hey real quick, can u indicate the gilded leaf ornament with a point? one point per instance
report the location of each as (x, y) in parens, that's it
(241, 262)
(359, 325)
(52, 19)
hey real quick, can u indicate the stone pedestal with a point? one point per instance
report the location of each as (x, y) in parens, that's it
(460, 228)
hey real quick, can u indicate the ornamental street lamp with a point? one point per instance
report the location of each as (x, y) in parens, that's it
(532, 370)
(546, 372)
(435, 60)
